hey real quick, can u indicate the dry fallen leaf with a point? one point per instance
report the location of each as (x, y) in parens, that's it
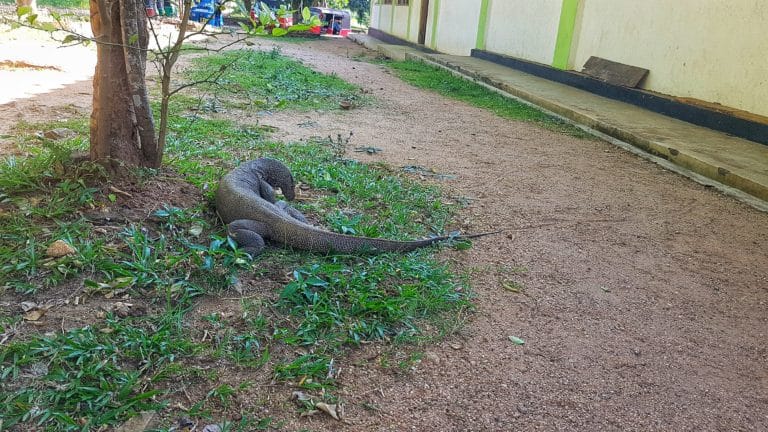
(121, 192)
(300, 396)
(34, 315)
(330, 409)
(59, 248)
(196, 230)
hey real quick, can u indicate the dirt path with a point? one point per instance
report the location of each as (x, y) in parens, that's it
(645, 296)
(645, 300)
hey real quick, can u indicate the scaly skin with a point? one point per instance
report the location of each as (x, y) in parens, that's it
(245, 201)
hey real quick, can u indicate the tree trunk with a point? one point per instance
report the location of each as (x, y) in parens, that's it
(122, 126)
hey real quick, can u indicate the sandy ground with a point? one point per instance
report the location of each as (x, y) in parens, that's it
(644, 299)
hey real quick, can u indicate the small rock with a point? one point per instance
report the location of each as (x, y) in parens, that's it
(184, 423)
(431, 357)
(522, 410)
(59, 133)
(124, 310)
(59, 248)
(137, 424)
(28, 306)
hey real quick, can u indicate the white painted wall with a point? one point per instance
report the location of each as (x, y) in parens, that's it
(381, 16)
(713, 50)
(523, 28)
(415, 14)
(400, 24)
(375, 10)
(457, 26)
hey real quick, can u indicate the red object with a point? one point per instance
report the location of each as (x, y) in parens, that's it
(331, 18)
(285, 22)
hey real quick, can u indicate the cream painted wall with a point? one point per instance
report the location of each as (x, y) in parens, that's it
(400, 25)
(415, 14)
(382, 14)
(457, 26)
(374, 14)
(523, 29)
(712, 50)
(381, 18)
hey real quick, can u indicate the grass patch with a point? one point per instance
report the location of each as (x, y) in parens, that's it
(65, 4)
(268, 80)
(154, 272)
(429, 77)
(61, 4)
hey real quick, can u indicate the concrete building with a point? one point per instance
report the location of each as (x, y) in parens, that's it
(710, 53)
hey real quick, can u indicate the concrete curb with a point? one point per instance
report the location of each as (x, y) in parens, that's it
(734, 179)
(690, 161)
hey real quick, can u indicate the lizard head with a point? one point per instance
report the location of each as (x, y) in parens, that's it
(277, 175)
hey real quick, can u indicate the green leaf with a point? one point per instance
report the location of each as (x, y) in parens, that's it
(69, 39)
(511, 286)
(299, 27)
(132, 40)
(305, 14)
(49, 27)
(463, 244)
(32, 18)
(279, 31)
(24, 10)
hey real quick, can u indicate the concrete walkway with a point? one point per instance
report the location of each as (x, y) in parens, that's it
(736, 166)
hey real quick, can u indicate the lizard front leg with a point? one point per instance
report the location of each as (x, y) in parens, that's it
(266, 191)
(290, 211)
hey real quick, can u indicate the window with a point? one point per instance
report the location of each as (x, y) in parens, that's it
(402, 2)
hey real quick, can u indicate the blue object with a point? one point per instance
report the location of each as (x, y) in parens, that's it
(207, 10)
